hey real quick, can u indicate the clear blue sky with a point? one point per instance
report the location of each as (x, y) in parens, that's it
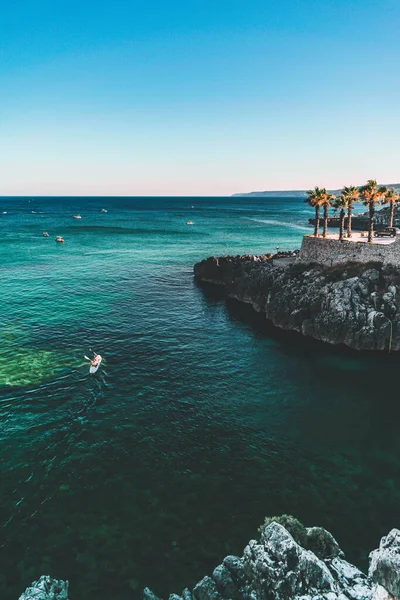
(197, 96)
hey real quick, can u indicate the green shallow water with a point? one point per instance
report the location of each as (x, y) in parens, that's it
(202, 419)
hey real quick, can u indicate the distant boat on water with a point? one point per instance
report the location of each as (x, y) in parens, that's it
(103, 210)
(45, 234)
(77, 217)
(190, 223)
(59, 239)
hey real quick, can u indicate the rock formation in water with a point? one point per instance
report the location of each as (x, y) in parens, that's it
(356, 304)
(384, 565)
(278, 568)
(46, 589)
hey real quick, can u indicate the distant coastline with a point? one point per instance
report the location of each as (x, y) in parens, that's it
(296, 193)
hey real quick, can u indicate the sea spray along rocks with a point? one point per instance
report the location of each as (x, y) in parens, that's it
(46, 589)
(356, 304)
(278, 568)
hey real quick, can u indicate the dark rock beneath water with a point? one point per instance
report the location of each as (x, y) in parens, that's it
(353, 304)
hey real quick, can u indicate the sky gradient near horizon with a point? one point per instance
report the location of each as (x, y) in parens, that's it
(197, 97)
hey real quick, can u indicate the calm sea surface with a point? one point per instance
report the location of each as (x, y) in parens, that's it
(201, 421)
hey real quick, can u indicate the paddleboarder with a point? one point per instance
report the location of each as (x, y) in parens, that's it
(96, 359)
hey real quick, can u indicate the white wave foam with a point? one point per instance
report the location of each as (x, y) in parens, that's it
(280, 223)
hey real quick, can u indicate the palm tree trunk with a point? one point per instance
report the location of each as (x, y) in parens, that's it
(391, 215)
(316, 226)
(341, 232)
(349, 215)
(371, 214)
(325, 220)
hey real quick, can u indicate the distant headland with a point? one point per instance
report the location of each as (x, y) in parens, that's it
(297, 193)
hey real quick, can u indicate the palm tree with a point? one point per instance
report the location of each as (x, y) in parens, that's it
(341, 203)
(351, 194)
(314, 199)
(372, 195)
(326, 201)
(392, 197)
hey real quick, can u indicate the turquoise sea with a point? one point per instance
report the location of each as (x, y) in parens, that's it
(202, 419)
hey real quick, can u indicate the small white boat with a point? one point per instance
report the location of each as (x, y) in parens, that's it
(4, 212)
(76, 217)
(190, 223)
(45, 234)
(59, 239)
(103, 210)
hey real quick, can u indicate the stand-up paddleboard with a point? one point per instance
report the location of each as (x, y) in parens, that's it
(93, 369)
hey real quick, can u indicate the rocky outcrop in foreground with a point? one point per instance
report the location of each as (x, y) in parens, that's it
(46, 589)
(355, 304)
(384, 565)
(278, 568)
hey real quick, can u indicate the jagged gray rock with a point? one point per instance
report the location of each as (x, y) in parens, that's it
(278, 568)
(384, 565)
(352, 304)
(225, 583)
(206, 589)
(149, 595)
(186, 594)
(46, 588)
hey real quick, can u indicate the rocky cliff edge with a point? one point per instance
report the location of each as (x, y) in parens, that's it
(353, 304)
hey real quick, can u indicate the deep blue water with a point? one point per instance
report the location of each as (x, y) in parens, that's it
(202, 419)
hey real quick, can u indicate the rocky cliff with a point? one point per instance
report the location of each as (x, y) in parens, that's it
(279, 568)
(352, 304)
